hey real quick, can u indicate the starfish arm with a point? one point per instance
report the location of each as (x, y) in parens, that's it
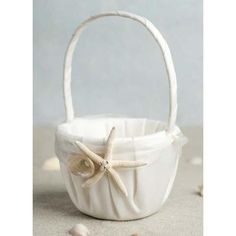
(93, 180)
(127, 164)
(93, 156)
(109, 144)
(118, 181)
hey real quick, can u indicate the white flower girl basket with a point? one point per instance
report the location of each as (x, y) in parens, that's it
(119, 168)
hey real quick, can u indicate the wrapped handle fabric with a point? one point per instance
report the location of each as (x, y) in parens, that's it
(158, 38)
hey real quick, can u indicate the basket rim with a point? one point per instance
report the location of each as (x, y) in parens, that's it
(65, 141)
(62, 131)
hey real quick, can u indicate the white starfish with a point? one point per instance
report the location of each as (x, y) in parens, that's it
(107, 165)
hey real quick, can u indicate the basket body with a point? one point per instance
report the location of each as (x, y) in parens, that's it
(114, 162)
(139, 139)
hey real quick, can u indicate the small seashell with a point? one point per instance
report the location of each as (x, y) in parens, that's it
(196, 161)
(51, 164)
(200, 190)
(79, 230)
(81, 165)
(135, 234)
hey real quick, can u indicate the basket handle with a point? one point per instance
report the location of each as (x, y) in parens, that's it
(158, 38)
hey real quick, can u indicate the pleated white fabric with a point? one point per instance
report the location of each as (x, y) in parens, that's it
(137, 139)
